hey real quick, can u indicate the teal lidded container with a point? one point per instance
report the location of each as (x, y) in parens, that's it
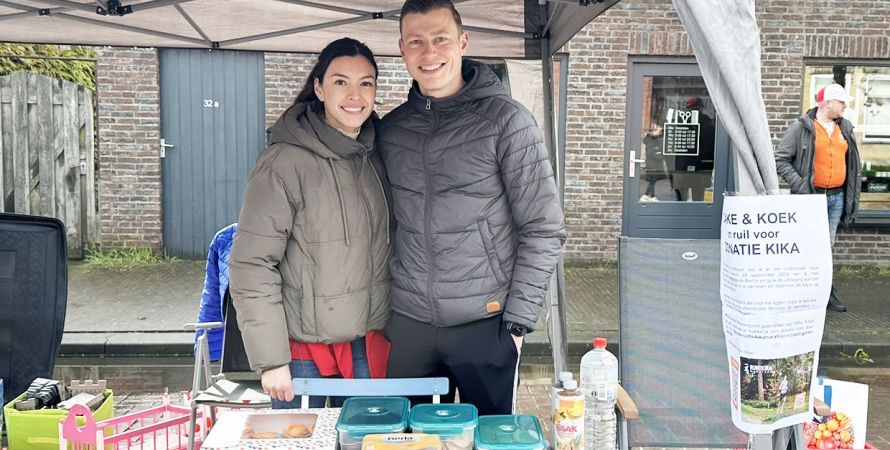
(514, 432)
(370, 415)
(455, 423)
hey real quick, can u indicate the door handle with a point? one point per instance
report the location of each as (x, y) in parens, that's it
(632, 164)
(164, 147)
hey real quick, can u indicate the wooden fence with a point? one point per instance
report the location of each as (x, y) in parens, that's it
(47, 154)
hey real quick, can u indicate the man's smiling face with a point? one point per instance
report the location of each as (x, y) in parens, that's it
(432, 47)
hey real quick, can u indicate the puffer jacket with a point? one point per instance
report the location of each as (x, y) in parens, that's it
(216, 283)
(480, 228)
(309, 261)
(796, 154)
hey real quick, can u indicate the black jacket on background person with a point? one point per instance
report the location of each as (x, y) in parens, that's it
(480, 227)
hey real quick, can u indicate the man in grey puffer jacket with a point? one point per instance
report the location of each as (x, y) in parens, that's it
(480, 228)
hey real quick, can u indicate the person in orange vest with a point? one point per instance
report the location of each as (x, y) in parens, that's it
(818, 155)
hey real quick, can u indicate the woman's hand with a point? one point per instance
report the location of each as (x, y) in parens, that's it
(278, 384)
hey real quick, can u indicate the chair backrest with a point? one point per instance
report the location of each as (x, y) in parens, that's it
(354, 387)
(234, 364)
(672, 348)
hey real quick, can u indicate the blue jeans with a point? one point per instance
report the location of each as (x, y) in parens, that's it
(307, 369)
(835, 211)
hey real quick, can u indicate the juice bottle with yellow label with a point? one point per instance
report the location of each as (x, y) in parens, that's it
(568, 418)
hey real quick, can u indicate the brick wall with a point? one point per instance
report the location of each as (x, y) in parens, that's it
(129, 167)
(129, 132)
(286, 73)
(790, 32)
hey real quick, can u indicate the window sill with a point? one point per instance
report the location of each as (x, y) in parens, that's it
(872, 219)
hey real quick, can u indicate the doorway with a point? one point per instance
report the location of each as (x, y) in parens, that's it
(676, 153)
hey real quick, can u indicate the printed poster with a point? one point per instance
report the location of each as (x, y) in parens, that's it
(775, 277)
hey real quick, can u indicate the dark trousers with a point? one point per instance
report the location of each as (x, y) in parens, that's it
(479, 359)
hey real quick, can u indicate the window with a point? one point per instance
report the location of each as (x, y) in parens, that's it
(870, 113)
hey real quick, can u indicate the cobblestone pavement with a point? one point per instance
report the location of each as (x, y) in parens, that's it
(139, 309)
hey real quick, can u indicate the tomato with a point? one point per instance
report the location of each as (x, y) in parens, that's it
(817, 435)
(832, 425)
(846, 436)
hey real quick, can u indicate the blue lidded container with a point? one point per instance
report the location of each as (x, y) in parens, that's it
(455, 423)
(514, 432)
(370, 415)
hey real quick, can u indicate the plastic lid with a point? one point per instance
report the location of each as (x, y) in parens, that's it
(563, 376)
(570, 385)
(518, 432)
(600, 342)
(445, 419)
(373, 415)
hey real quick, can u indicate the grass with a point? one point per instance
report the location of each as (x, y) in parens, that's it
(860, 357)
(123, 258)
(846, 271)
(770, 415)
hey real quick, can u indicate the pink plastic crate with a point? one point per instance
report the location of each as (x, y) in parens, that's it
(163, 427)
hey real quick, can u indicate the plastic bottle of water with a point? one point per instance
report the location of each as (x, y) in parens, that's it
(599, 384)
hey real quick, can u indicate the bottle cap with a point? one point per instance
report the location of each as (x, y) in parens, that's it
(570, 385)
(600, 342)
(563, 376)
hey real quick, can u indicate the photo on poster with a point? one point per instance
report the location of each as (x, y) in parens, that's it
(772, 389)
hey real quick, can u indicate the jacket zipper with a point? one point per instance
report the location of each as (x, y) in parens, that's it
(428, 207)
(358, 185)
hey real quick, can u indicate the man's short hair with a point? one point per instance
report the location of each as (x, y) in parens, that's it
(425, 6)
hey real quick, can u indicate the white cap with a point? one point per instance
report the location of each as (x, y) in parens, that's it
(570, 385)
(833, 92)
(564, 376)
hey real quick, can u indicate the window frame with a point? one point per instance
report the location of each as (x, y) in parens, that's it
(865, 218)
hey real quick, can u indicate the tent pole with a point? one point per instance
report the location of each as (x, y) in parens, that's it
(556, 324)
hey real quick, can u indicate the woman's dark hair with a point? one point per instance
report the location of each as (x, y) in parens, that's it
(334, 50)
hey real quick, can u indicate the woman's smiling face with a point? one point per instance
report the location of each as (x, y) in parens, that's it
(348, 91)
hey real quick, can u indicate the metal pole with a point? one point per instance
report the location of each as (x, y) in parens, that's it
(556, 324)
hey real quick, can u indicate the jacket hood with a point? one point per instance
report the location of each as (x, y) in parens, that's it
(481, 82)
(303, 125)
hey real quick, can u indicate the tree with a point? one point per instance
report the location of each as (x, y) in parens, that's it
(35, 58)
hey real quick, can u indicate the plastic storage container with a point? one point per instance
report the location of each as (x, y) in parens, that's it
(361, 416)
(454, 423)
(517, 432)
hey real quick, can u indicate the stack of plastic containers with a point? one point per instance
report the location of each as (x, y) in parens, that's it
(361, 416)
(517, 432)
(454, 423)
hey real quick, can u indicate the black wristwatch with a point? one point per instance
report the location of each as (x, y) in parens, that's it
(517, 329)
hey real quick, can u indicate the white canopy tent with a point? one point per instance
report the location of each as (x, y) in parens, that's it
(501, 28)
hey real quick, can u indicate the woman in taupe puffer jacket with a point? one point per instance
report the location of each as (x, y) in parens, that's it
(308, 267)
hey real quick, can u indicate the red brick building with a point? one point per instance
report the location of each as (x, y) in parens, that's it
(801, 42)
